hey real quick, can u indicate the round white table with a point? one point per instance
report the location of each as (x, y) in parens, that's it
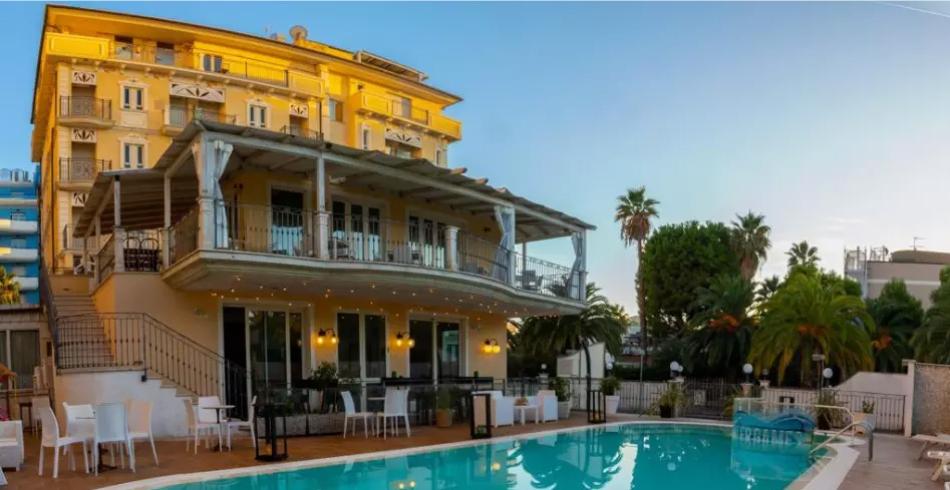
(521, 409)
(222, 421)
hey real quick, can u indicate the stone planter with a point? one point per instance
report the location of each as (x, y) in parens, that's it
(443, 417)
(612, 404)
(666, 412)
(564, 409)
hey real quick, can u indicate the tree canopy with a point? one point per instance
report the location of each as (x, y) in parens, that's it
(897, 315)
(678, 260)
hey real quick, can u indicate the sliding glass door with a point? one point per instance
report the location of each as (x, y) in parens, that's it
(275, 347)
(361, 349)
(438, 350)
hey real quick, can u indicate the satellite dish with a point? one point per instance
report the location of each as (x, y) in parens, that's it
(298, 32)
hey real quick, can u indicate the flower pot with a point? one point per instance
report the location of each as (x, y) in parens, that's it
(666, 412)
(564, 409)
(613, 403)
(443, 417)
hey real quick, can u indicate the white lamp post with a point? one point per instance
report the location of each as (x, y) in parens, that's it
(747, 386)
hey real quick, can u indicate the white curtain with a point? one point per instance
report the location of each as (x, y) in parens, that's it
(220, 153)
(573, 283)
(505, 216)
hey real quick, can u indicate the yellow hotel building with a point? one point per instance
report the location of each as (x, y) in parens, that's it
(223, 212)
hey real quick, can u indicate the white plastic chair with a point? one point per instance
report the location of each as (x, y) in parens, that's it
(196, 428)
(51, 438)
(112, 426)
(395, 406)
(210, 415)
(237, 424)
(140, 424)
(349, 412)
(37, 404)
(547, 405)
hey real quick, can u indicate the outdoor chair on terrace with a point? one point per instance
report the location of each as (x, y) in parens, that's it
(395, 406)
(140, 424)
(238, 424)
(51, 439)
(502, 407)
(349, 412)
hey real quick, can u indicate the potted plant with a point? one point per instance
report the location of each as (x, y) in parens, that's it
(563, 393)
(443, 408)
(609, 387)
(670, 400)
(826, 416)
(866, 413)
(321, 379)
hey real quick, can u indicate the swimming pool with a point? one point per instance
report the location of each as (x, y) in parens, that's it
(629, 456)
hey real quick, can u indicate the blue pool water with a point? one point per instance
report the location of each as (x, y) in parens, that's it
(633, 456)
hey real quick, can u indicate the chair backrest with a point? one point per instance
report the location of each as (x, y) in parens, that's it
(140, 416)
(349, 408)
(250, 409)
(39, 402)
(111, 423)
(393, 402)
(74, 412)
(189, 412)
(206, 415)
(50, 426)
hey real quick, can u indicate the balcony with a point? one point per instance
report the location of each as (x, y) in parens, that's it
(18, 227)
(11, 254)
(399, 110)
(88, 112)
(81, 170)
(375, 248)
(302, 133)
(175, 118)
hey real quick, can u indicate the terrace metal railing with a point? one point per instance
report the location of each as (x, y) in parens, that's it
(178, 116)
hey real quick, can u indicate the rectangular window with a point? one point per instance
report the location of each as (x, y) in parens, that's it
(133, 98)
(18, 271)
(18, 242)
(348, 344)
(123, 47)
(364, 138)
(24, 355)
(211, 62)
(18, 216)
(375, 349)
(133, 155)
(256, 116)
(298, 126)
(335, 108)
(402, 106)
(165, 54)
(448, 350)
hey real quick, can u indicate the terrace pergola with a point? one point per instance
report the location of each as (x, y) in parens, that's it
(188, 177)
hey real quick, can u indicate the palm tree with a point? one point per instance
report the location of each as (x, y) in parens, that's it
(9, 288)
(767, 288)
(634, 212)
(931, 342)
(723, 327)
(750, 240)
(802, 254)
(896, 314)
(597, 322)
(807, 316)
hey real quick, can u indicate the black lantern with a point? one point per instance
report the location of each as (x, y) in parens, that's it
(596, 407)
(269, 449)
(480, 415)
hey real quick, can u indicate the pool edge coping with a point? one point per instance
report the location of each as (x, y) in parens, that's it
(159, 482)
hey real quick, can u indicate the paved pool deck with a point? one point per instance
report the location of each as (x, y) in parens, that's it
(894, 466)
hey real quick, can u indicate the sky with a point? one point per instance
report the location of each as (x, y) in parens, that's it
(831, 119)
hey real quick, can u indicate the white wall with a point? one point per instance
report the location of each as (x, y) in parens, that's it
(574, 364)
(886, 383)
(168, 410)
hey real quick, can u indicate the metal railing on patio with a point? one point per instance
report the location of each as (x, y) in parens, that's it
(178, 116)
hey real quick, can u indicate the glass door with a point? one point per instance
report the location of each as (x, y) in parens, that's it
(267, 338)
(286, 222)
(438, 350)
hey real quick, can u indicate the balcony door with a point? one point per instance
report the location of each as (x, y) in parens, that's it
(287, 222)
(427, 241)
(438, 353)
(356, 231)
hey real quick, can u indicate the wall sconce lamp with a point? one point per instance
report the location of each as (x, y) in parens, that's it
(491, 346)
(324, 336)
(404, 340)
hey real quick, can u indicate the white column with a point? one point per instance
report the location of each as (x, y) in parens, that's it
(524, 264)
(582, 269)
(118, 234)
(451, 248)
(166, 232)
(98, 225)
(323, 219)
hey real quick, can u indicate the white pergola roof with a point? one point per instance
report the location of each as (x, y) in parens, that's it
(142, 189)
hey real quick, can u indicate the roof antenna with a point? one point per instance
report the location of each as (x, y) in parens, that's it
(917, 239)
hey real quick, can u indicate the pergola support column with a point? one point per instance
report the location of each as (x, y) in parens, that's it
(452, 247)
(118, 233)
(167, 230)
(323, 219)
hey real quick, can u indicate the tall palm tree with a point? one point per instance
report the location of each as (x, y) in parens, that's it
(634, 212)
(9, 288)
(802, 254)
(807, 316)
(931, 341)
(897, 315)
(750, 240)
(724, 324)
(597, 322)
(767, 288)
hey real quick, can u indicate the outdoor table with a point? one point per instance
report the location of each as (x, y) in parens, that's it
(521, 409)
(218, 409)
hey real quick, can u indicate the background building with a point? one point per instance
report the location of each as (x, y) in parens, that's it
(875, 267)
(19, 231)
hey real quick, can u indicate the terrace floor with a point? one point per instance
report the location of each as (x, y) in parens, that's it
(894, 466)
